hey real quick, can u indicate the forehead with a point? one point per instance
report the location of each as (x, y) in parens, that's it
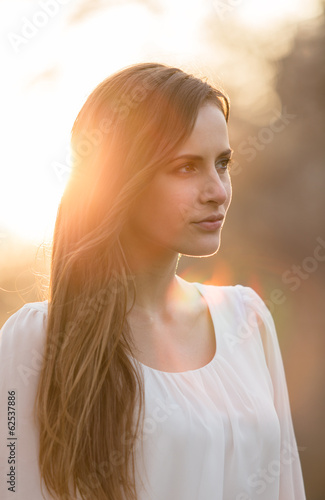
(210, 131)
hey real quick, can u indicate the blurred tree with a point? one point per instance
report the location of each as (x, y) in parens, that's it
(294, 165)
(289, 221)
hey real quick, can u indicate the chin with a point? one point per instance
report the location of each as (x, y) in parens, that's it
(203, 251)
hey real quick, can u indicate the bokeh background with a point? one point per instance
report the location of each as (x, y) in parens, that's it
(270, 58)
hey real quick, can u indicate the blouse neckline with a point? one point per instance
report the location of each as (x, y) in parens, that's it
(199, 287)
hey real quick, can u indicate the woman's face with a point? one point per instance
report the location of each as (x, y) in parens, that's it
(177, 212)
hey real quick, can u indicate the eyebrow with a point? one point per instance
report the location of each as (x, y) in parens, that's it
(227, 152)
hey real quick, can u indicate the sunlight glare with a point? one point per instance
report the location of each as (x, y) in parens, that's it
(38, 113)
(262, 14)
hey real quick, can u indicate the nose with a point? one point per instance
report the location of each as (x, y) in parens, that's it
(215, 188)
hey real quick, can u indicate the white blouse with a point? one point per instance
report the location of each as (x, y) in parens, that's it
(220, 432)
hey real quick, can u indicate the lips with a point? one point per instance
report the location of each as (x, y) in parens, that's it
(211, 223)
(212, 218)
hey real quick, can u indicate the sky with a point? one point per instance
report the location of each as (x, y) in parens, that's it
(54, 52)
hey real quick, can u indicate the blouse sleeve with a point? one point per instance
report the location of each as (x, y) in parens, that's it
(291, 479)
(21, 345)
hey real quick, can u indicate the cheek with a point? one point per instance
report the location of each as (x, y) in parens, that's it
(167, 201)
(154, 209)
(166, 216)
(167, 204)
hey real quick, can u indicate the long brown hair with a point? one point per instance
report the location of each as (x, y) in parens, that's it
(89, 404)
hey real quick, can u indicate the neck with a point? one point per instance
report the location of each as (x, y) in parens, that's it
(155, 285)
(155, 278)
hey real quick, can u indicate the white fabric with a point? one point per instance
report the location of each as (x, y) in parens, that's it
(220, 432)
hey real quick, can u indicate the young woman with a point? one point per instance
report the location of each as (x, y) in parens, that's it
(129, 382)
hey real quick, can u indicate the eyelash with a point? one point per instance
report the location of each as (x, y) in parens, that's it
(226, 169)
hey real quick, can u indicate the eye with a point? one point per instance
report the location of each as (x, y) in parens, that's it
(225, 164)
(186, 168)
